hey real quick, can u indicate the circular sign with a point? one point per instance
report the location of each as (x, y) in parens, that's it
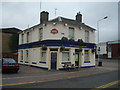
(54, 31)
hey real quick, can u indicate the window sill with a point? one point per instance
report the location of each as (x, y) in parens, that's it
(42, 62)
(34, 63)
(86, 61)
(26, 61)
(66, 62)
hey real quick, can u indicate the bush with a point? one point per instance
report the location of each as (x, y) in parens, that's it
(93, 50)
(80, 49)
(71, 39)
(62, 48)
(80, 40)
(44, 47)
(64, 38)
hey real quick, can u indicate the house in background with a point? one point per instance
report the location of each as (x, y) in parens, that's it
(56, 42)
(102, 50)
(109, 50)
(9, 42)
(113, 49)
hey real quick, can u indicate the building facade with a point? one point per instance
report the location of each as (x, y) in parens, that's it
(53, 43)
(102, 50)
(113, 49)
(6, 35)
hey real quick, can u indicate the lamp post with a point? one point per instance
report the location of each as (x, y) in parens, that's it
(99, 61)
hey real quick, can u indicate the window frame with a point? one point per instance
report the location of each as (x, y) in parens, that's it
(71, 35)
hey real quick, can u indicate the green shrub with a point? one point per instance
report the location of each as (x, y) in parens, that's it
(93, 50)
(71, 39)
(44, 47)
(80, 40)
(62, 48)
(80, 49)
(64, 38)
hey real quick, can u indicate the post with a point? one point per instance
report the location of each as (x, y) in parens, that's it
(99, 61)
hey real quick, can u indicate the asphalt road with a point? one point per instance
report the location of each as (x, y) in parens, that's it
(91, 81)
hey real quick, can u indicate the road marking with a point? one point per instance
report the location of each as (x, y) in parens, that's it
(37, 76)
(54, 79)
(109, 84)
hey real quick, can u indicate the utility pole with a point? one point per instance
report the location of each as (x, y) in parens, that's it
(40, 4)
(55, 11)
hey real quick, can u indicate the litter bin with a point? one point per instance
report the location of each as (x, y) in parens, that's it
(100, 63)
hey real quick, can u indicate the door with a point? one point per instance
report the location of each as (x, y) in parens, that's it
(53, 60)
(76, 59)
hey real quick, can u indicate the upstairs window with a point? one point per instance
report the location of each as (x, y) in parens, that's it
(40, 34)
(86, 36)
(27, 37)
(22, 39)
(71, 33)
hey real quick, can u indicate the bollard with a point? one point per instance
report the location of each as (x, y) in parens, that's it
(99, 63)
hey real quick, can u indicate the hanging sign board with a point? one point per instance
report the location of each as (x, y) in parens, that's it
(54, 31)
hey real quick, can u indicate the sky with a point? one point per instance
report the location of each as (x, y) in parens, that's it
(26, 14)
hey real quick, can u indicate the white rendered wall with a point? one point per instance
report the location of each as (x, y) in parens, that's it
(34, 33)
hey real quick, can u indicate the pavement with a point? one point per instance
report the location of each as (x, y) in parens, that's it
(28, 74)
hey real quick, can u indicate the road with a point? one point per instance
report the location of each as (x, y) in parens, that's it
(96, 77)
(91, 81)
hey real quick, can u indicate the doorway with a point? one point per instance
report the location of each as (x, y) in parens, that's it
(53, 60)
(76, 59)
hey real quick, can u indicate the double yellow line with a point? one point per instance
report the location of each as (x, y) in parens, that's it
(107, 85)
(103, 86)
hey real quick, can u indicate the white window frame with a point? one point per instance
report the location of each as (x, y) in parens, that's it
(86, 36)
(86, 57)
(43, 59)
(21, 55)
(71, 35)
(28, 34)
(68, 58)
(40, 34)
(22, 38)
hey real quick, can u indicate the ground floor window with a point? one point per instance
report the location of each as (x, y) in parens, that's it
(43, 56)
(21, 56)
(27, 56)
(86, 55)
(65, 56)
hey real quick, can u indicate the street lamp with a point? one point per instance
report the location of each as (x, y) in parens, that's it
(99, 61)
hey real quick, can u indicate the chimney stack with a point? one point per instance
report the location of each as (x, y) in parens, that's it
(44, 15)
(79, 17)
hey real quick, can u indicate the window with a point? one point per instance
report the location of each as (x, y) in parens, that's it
(71, 33)
(65, 57)
(27, 36)
(21, 56)
(86, 36)
(27, 55)
(86, 55)
(40, 34)
(43, 56)
(22, 38)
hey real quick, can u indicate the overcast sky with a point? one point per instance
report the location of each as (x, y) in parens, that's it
(22, 14)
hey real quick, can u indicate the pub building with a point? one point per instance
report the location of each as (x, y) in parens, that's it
(53, 43)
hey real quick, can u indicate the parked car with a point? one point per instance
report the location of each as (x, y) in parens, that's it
(9, 65)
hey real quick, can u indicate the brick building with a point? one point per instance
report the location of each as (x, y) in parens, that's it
(6, 34)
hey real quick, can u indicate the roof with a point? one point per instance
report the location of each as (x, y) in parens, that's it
(70, 21)
(66, 21)
(10, 30)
